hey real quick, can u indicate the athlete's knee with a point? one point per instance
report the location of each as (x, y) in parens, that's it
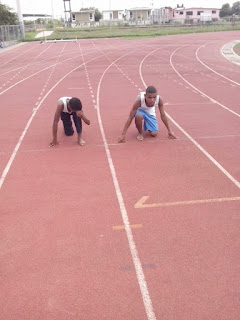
(69, 133)
(153, 134)
(138, 118)
(68, 130)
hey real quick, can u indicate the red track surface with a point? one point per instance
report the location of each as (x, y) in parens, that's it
(64, 254)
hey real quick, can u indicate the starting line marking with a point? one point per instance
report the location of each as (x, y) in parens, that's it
(132, 226)
(141, 203)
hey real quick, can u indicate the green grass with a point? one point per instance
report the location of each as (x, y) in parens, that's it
(129, 32)
(30, 36)
(236, 49)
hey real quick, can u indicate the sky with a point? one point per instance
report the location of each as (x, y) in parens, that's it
(56, 7)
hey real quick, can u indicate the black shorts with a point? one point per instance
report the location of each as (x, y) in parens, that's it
(67, 123)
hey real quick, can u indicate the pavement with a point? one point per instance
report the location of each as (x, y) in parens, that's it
(228, 52)
(43, 34)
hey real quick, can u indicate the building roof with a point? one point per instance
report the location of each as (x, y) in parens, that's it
(196, 8)
(138, 9)
(113, 10)
(40, 15)
(84, 11)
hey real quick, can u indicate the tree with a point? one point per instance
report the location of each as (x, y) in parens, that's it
(98, 15)
(236, 8)
(6, 16)
(226, 10)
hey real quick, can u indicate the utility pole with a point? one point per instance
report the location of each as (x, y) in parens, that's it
(53, 15)
(68, 11)
(20, 18)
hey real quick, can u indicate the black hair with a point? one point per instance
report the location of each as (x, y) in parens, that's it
(151, 89)
(75, 104)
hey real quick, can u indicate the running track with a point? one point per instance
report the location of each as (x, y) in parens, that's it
(142, 230)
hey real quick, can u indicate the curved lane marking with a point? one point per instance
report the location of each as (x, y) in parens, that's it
(221, 75)
(218, 165)
(14, 153)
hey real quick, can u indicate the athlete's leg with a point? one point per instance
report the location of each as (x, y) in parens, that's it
(152, 133)
(67, 123)
(151, 125)
(139, 126)
(78, 125)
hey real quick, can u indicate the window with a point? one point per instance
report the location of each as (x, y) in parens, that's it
(199, 13)
(214, 11)
(189, 13)
(90, 15)
(181, 12)
(73, 16)
(131, 14)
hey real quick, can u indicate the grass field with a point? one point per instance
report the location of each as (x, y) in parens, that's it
(129, 32)
(237, 48)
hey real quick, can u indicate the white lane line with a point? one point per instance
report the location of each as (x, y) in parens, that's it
(202, 93)
(228, 52)
(32, 75)
(238, 84)
(14, 153)
(25, 51)
(218, 165)
(137, 263)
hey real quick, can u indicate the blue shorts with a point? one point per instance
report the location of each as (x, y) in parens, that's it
(150, 121)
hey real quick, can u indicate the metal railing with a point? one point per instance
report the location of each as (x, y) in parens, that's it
(10, 35)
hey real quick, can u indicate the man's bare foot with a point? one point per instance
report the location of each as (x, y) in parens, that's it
(81, 142)
(140, 137)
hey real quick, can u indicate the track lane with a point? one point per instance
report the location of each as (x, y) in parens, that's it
(171, 249)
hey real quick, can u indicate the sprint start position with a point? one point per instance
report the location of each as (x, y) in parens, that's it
(66, 108)
(144, 110)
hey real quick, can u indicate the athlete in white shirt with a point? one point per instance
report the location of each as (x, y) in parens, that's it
(145, 115)
(69, 107)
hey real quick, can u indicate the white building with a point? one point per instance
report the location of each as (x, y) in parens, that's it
(139, 15)
(113, 14)
(193, 15)
(83, 18)
(112, 17)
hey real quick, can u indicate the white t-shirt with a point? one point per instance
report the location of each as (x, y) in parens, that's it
(64, 101)
(150, 110)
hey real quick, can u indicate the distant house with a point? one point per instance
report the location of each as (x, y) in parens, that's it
(162, 15)
(195, 15)
(113, 17)
(82, 18)
(139, 15)
(113, 14)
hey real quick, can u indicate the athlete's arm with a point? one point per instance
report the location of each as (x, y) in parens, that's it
(82, 116)
(136, 105)
(165, 119)
(55, 123)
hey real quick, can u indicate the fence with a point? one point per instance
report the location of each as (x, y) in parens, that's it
(10, 35)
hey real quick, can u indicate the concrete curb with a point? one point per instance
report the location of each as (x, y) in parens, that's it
(228, 53)
(12, 47)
